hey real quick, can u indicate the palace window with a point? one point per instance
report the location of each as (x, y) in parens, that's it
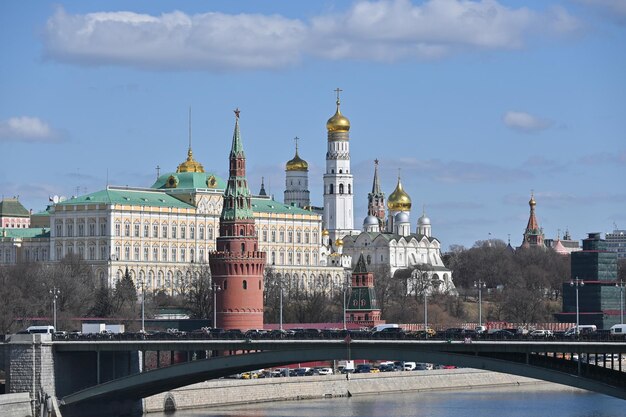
(289, 236)
(164, 229)
(136, 253)
(127, 253)
(127, 229)
(146, 229)
(92, 229)
(174, 231)
(155, 230)
(183, 231)
(155, 254)
(173, 254)
(273, 234)
(201, 232)
(192, 231)
(81, 229)
(146, 253)
(210, 232)
(164, 254)
(264, 235)
(136, 228)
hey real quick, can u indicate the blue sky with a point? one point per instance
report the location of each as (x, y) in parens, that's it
(477, 102)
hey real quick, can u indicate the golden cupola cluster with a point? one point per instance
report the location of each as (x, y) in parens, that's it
(339, 122)
(297, 163)
(399, 200)
(190, 165)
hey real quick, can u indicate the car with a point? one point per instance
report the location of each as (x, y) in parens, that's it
(363, 368)
(388, 367)
(501, 335)
(541, 334)
(420, 366)
(325, 371)
(300, 372)
(249, 375)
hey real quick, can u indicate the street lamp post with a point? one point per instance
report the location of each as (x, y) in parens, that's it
(143, 306)
(280, 284)
(621, 285)
(577, 283)
(216, 288)
(425, 310)
(55, 294)
(480, 284)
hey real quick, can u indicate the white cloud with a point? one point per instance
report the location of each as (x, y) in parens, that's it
(28, 129)
(525, 122)
(368, 30)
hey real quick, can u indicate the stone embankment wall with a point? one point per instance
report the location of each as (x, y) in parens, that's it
(231, 391)
(15, 405)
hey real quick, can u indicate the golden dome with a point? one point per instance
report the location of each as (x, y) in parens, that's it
(297, 164)
(190, 165)
(532, 203)
(399, 200)
(324, 232)
(339, 242)
(339, 122)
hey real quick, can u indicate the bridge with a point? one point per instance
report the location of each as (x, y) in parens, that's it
(548, 361)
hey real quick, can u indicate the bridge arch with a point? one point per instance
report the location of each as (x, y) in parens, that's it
(165, 379)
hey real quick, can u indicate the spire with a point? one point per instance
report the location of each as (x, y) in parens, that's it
(360, 267)
(376, 184)
(262, 191)
(237, 204)
(237, 148)
(190, 165)
(533, 224)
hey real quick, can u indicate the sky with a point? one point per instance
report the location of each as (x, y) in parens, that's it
(475, 104)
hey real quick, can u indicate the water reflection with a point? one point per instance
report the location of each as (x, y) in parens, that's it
(505, 402)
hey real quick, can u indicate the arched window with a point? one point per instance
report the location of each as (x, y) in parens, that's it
(349, 188)
(245, 284)
(330, 189)
(340, 188)
(243, 247)
(225, 284)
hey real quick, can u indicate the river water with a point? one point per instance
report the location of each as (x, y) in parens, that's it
(499, 402)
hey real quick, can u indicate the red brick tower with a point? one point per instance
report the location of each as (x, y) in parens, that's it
(362, 305)
(237, 265)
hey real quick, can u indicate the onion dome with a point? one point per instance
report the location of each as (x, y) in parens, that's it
(532, 203)
(423, 220)
(399, 200)
(339, 122)
(401, 217)
(297, 163)
(370, 221)
(190, 165)
(339, 242)
(325, 232)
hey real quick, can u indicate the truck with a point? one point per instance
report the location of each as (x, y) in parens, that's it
(102, 328)
(345, 366)
(382, 327)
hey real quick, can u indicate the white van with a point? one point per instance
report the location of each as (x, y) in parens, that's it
(618, 330)
(582, 329)
(409, 366)
(40, 329)
(382, 327)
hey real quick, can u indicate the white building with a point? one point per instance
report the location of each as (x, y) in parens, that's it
(397, 248)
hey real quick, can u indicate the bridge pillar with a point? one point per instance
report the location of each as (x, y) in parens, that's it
(30, 366)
